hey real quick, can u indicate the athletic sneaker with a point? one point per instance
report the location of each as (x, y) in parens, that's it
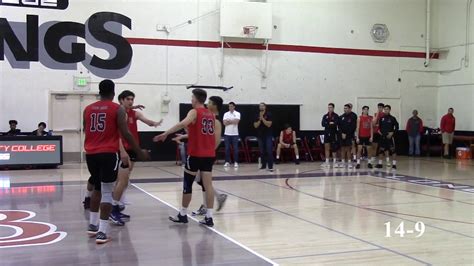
(220, 202)
(370, 166)
(394, 167)
(101, 238)
(201, 211)
(236, 165)
(338, 165)
(207, 221)
(179, 218)
(124, 216)
(121, 207)
(325, 165)
(115, 216)
(350, 166)
(92, 229)
(379, 166)
(297, 161)
(270, 170)
(87, 203)
(358, 166)
(226, 164)
(277, 161)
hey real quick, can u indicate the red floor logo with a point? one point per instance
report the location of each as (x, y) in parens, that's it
(27, 233)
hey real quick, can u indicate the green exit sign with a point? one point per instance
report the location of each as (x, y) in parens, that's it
(81, 82)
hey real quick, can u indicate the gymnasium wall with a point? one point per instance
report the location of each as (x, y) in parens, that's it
(311, 78)
(456, 89)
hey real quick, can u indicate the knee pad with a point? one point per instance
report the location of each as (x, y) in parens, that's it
(188, 183)
(107, 189)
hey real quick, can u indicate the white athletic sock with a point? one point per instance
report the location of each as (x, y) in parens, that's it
(104, 226)
(354, 157)
(278, 157)
(88, 193)
(394, 162)
(123, 199)
(387, 159)
(183, 211)
(380, 161)
(358, 161)
(372, 159)
(209, 213)
(343, 161)
(327, 160)
(297, 157)
(334, 160)
(94, 218)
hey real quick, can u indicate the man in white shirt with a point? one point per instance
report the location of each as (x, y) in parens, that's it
(231, 134)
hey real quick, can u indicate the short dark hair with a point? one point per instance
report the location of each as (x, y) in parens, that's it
(106, 88)
(200, 94)
(42, 124)
(451, 108)
(218, 102)
(365, 107)
(347, 105)
(381, 105)
(232, 103)
(388, 106)
(286, 126)
(331, 104)
(124, 94)
(13, 122)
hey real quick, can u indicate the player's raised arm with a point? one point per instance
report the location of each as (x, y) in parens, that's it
(190, 118)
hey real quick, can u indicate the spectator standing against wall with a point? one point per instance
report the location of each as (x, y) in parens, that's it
(448, 125)
(414, 130)
(231, 135)
(263, 124)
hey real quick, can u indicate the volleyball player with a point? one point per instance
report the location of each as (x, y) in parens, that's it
(348, 126)
(330, 123)
(377, 136)
(104, 123)
(202, 143)
(364, 134)
(388, 127)
(128, 156)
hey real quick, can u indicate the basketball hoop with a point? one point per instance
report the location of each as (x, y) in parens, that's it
(250, 31)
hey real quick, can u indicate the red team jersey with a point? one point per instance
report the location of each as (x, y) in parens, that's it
(101, 129)
(132, 127)
(376, 127)
(364, 126)
(201, 139)
(288, 138)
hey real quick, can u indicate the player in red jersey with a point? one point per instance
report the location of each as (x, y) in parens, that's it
(287, 141)
(202, 142)
(364, 134)
(377, 136)
(104, 122)
(127, 155)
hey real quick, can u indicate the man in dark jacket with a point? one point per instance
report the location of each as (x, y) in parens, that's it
(388, 127)
(414, 130)
(347, 126)
(330, 123)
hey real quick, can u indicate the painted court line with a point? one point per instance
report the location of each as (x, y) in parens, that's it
(329, 228)
(209, 228)
(382, 212)
(328, 254)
